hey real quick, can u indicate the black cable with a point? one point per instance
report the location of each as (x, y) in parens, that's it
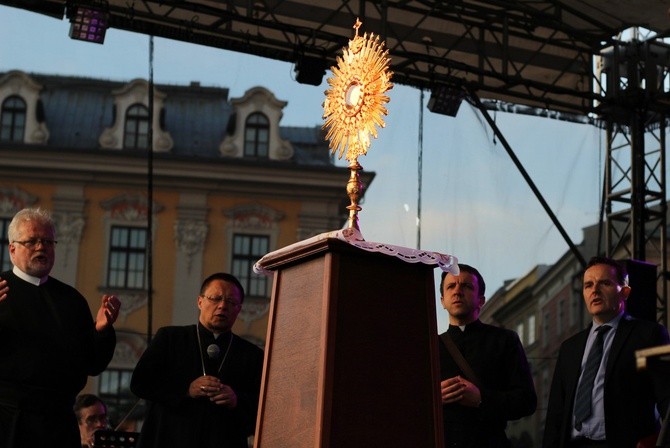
(420, 174)
(150, 193)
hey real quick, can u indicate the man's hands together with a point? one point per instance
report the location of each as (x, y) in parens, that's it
(459, 390)
(211, 387)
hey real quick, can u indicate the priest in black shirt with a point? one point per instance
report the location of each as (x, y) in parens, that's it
(202, 381)
(491, 383)
(49, 343)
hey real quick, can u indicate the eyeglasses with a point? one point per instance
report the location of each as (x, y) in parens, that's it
(33, 242)
(218, 299)
(93, 419)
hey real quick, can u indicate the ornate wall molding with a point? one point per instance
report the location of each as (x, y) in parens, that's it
(190, 236)
(13, 199)
(69, 229)
(253, 216)
(253, 309)
(129, 348)
(129, 207)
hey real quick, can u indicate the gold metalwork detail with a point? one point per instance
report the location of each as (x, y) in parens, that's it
(354, 105)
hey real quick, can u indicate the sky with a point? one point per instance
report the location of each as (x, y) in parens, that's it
(475, 204)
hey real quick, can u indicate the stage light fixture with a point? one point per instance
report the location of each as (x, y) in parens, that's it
(309, 70)
(89, 21)
(445, 100)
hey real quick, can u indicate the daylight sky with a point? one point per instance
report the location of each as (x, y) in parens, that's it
(475, 203)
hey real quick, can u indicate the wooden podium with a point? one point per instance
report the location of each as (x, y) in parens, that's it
(351, 358)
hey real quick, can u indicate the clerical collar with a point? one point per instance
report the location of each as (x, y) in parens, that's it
(29, 278)
(462, 327)
(211, 333)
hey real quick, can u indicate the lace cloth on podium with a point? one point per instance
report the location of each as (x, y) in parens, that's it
(447, 263)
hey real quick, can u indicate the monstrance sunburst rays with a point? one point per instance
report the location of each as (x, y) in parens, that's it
(354, 106)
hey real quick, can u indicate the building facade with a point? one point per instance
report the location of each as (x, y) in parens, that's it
(223, 184)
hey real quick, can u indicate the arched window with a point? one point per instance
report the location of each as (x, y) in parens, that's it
(256, 135)
(136, 129)
(13, 119)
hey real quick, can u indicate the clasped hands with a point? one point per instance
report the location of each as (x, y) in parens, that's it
(459, 390)
(211, 387)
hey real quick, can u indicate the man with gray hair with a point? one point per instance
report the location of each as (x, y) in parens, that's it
(49, 342)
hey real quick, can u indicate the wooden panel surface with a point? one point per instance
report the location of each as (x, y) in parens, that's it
(351, 357)
(289, 413)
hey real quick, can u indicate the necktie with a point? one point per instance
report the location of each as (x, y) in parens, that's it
(583, 398)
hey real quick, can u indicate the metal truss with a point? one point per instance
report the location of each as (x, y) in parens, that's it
(537, 53)
(635, 180)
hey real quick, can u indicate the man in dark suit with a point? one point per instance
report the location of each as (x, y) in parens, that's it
(202, 381)
(619, 405)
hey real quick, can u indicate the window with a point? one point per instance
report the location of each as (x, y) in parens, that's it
(115, 392)
(13, 119)
(545, 330)
(575, 306)
(560, 320)
(531, 330)
(5, 262)
(256, 136)
(136, 130)
(519, 331)
(247, 249)
(127, 254)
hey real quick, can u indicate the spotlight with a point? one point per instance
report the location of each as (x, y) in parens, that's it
(89, 22)
(309, 70)
(445, 100)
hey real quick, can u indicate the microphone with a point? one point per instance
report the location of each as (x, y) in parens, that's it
(213, 351)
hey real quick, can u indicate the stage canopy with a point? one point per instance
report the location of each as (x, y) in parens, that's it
(530, 52)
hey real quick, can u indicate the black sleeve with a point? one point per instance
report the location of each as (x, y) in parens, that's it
(156, 377)
(517, 398)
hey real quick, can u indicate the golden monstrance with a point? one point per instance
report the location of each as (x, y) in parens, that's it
(354, 106)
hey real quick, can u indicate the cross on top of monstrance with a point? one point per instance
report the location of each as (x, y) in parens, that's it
(354, 106)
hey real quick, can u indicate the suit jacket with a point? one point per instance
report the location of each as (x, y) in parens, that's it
(163, 375)
(629, 394)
